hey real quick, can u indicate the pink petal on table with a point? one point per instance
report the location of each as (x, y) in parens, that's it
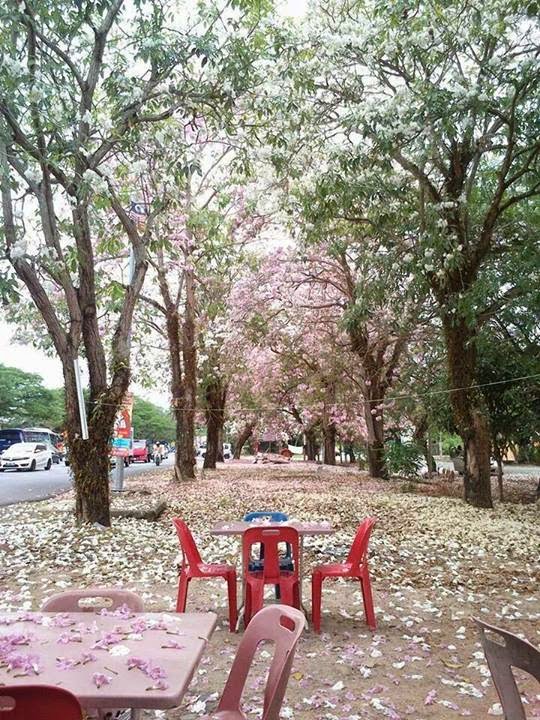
(87, 657)
(99, 679)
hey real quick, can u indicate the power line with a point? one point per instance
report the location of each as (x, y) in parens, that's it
(414, 396)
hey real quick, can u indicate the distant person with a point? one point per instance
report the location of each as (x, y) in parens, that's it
(158, 451)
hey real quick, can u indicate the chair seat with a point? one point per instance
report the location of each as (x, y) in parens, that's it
(216, 567)
(335, 570)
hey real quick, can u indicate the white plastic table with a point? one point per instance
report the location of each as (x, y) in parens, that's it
(238, 527)
(118, 660)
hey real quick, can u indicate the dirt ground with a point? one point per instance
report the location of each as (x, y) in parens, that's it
(436, 563)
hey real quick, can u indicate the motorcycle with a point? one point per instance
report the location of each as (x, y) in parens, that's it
(157, 458)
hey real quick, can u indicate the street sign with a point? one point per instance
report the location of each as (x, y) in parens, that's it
(121, 443)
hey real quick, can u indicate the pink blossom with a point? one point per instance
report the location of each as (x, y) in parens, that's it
(136, 662)
(23, 664)
(123, 611)
(99, 679)
(139, 625)
(173, 644)
(154, 672)
(159, 685)
(66, 638)
(62, 620)
(87, 657)
(106, 640)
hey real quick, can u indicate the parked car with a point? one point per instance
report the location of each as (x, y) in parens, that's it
(26, 456)
(11, 436)
(227, 451)
(139, 451)
(56, 454)
(459, 464)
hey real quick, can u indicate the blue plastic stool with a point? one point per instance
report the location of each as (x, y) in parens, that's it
(285, 563)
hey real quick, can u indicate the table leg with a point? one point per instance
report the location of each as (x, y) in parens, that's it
(300, 577)
(242, 595)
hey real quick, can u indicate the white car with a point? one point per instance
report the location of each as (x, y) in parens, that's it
(26, 456)
(227, 451)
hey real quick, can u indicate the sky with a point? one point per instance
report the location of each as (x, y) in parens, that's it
(293, 8)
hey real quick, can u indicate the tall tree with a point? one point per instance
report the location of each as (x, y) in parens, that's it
(77, 84)
(452, 100)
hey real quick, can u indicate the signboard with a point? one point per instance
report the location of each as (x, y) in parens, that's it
(121, 443)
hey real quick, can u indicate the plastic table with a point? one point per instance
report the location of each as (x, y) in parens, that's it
(237, 527)
(119, 659)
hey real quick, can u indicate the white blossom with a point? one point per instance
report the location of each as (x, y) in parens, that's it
(18, 250)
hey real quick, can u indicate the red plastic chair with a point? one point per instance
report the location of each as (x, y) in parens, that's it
(356, 566)
(194, 567)
(39, 702)
(503, 651)
(70, 601)
(271, 574)
(283, 626)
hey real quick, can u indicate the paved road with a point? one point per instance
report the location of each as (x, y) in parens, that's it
(21, 486)
(42, 484)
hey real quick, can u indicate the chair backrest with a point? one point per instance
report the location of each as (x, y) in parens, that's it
(190, 553)
(42, 702)
(274, 515)
(358, 552)
(111, 599)
(503, 653)
(278, 623)
(269, 538)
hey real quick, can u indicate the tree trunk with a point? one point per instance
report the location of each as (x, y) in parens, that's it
(329, 439)
(375, 428)
(177, 385)
(182, 351)
(189, 355)
(311, 445)
(89, 459)
(470, 415)
(498, 457)
(241, 440)
(421, 437)
(215, 402)
(375, 457)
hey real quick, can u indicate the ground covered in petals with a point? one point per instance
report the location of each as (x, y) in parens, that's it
(435, 563)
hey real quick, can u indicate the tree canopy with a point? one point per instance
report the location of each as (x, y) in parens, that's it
(326, 226)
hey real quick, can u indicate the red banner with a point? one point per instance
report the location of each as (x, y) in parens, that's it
(122, 427)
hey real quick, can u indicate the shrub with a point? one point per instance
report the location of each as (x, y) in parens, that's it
(403, 458)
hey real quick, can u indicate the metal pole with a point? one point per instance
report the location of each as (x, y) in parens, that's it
(131, 266)
(80, 400)
(119, 474)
